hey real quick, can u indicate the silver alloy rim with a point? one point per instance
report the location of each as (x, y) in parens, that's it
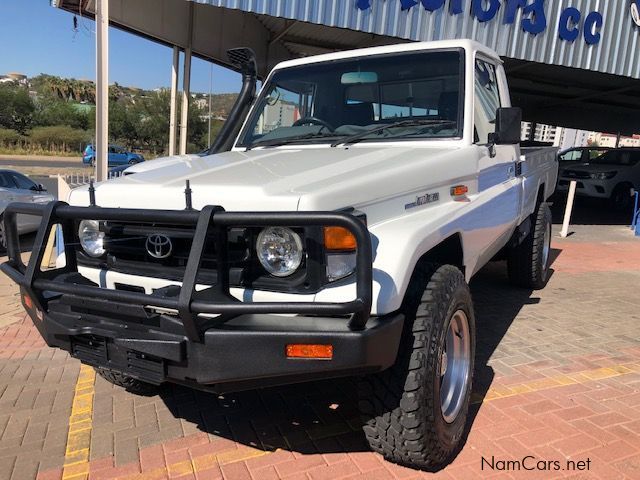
(546, 249)
(455, 364)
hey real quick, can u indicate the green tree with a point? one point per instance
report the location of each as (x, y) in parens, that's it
(65, 88)
(53, 111)
(123, 125)
(16, 108)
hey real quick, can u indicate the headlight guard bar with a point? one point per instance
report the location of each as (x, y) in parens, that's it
(211, 219)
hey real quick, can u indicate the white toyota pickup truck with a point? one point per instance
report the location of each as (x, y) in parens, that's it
(330, 231)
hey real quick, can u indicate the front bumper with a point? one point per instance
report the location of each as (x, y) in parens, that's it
(586, 187)
(203, 338)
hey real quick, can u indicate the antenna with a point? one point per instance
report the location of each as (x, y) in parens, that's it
(187, 196)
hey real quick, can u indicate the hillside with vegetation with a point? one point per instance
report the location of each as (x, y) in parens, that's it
(54, 115)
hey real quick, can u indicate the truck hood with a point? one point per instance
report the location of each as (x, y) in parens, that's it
(158, 163)
(278, 179)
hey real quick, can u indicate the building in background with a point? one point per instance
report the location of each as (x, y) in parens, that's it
(610, 140)
(560, 137)
(276, 115)
(13, 77)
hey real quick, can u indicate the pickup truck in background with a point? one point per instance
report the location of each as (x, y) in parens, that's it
(613, 176)
(330, 231)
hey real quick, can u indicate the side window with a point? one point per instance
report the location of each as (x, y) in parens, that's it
(5, 181)
(487, 100)
(628, 157)
(284, 107)
(572, 155)
(22, 181)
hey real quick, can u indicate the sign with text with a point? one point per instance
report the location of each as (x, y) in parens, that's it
(573, 23)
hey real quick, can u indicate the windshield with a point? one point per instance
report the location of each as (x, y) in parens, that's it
(323, 102)
(619, 157)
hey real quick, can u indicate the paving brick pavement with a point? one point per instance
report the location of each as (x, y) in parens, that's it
(558, 379)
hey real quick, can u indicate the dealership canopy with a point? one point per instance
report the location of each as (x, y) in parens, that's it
(574, 63)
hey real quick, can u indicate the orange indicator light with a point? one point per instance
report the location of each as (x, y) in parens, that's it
(300, 350)
(459, 190)
(339, 238)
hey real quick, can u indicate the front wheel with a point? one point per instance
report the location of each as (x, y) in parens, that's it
(621, 198)
(416, 411)
(130, 384)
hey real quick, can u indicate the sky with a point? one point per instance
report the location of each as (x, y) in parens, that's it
(37, 38)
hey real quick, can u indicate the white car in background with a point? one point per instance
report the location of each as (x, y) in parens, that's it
(612, 176)
(16, 187)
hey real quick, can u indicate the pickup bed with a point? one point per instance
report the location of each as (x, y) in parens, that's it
(330, 231)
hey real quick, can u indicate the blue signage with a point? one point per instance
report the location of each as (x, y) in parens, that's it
(573, 23)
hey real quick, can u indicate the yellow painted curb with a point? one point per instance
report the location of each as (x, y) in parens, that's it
(557, 381)
(76, 457)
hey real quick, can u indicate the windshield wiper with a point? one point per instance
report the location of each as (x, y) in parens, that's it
(276, 142)
(403, 123)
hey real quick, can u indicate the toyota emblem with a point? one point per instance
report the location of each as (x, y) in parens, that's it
(159, 246)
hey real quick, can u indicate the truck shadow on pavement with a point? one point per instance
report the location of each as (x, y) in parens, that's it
(322, 416)
(589, 211)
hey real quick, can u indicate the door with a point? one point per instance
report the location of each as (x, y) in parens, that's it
(117, 156)
(499, 188)
(27, 191)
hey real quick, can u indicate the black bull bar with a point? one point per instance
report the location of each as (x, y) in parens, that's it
(210, 220)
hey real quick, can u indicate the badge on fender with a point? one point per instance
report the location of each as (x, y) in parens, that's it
(423, 200)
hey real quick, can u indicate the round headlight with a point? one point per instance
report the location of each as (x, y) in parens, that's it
(91, 238)
(279, 250)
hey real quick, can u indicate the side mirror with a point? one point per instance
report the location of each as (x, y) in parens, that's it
(38, 188)
(508, 126)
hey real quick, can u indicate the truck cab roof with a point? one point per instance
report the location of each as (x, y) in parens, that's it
(465, 44)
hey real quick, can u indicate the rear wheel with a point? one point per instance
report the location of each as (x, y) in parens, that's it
(131, 384)
(416, 411)
(528, 263)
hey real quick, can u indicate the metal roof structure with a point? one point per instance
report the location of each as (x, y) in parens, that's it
(573, 63)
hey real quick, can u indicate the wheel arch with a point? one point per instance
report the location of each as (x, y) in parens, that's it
(448, 252)
(542, 195)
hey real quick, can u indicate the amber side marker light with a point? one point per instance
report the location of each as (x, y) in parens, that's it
(459, 190)
(319, 352)
(339, 238)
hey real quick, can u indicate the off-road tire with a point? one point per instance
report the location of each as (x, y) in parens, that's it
(128, 383)
(527, 263)
(401, 407)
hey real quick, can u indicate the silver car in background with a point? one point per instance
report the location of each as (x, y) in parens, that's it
(612, 176)
(16, 187)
